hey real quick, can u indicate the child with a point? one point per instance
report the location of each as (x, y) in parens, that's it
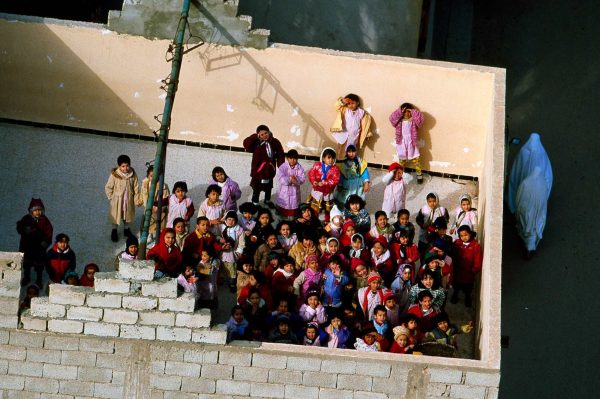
(427, 283)
(322, 237)
(354, 176)
(166, 255)
(403, 224)
(332, 248)
(122, 191)
(35, 230)
(407, 120)
(199, 240)
(411, 323)
(286, 237)
(382, 228)
(260, 232)
(261, 256)
(33, 291)
(446, 333)
(440, 227)
(402, 285)
(208, 271)
(245, 272)
(336, 334)
(213, 209)
(60, 259)
(334, 227)
(468, 262)
(368, 342)
(180, 205)
(352, 125)
(71, 278)
(257, 283)
(237, 325)
(324, 177)
(246, 217)
(432, 263)
(312, 309)
(335, 281)
(425, 310)
(392, 309)
(290, 178)
(355, 211)
(309, 277)
(230, 190)
(164, 203)
(401, 340)
(87, 277)
(381, 260)
(306, 220)
(464, 215)
(267, 155)
(188, 281)
(232, 245)
(357, 249)
(348, 231)
(283, 279)
(382, 326)
(304, 248)
(371, 296)
(360, 274)
(311, 335)
(404, 251)
(394, 195)
(283, 333)
(255, 311)
(426, 216)
(130, 253)
(180, 226)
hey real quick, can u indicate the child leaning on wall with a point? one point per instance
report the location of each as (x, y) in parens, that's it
(352, 125)
(407, 120)
(122, 191)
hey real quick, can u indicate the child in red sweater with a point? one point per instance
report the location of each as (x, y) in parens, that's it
(324, 177)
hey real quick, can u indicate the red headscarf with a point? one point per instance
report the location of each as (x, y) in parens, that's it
(167, 261)
(85, 280)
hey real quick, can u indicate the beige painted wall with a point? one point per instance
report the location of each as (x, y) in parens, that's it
(101, 80)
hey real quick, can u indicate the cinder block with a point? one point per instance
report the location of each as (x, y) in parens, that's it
(319, 379)
(263, 390)
(32, 323)
(354, 382)
(157, 318)
(108, 391)
(111, 283)
(340, 366)
(182, 369)
(76, 388)
(11, 261)
(12, 382)
(124, 348)
(79, 358)
(29, 340)
(138, 332)
(303, 363)
(373, 369)
(139, 303)
(438, 389)
(185, 303)
(3, 366)
(201, 356)
(141, 270)
(180, 334)
(9, 306)
(46, 385)
(30, 369)
(166, 351)
(370, 395)
(253, 374)
(217, 371)
(299, 391)
(113, 362)
(447, 376)
(166, 382)
(10, 276)
(269, 361)
(4, 335)
(99, 300)
(61, 343)
(7, 321)
(120, 316)
(157, 367)
(492, 393)
(101, 329)
(178, 395)
(84, 313)
(483, 379)
(63, 294)
(44, 355)
(235, 358)
(65, 326)
(94, 374)
(11, 352)
(96, 345)
(328, 393)
(198, 385)
(60, 372)
(285, 377)
(10, 290)
(41, 307)
(383, 385)
(164, 288)
(199, 319)
(215, 335)
(227, 387)
(467, 392)
(118, 377)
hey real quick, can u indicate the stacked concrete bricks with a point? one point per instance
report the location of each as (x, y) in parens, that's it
(126, 304)
(10, 288)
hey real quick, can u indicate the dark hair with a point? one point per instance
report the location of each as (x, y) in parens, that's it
(201, 218)
(216, 170)
(288, 260)
(212, 188)
(123, 159)
(260, 278)
(262, 127)
(62, 236)
(380, 213)
(321, 232)
(253, 290)
(178, 220)
(409, 317)
(248, 207)
(150, 169)
(403, 212)
(407, 106)
(423, 294)
(432, 195)
(379, 308)
(336, 259)
(357, 236)
(404, 233)
(292, 154)
(351, 147)
(181, 185)
(353, 97)
(428, 272)
(328, 151)
(283, 223)
(466, 228)
(231, 214)
(442, 316)
(355, 199)
(210, 251)
(236, 307)
(263, 211)
(244, 261)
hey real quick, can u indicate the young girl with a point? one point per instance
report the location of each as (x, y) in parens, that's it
(427, 284)
(426, 216)
(286, 237)
(464, 215)
(309, 277)
(304, 248)
(35, 230)
(245, 271)
(348, 231)
(401, 340)
(188, 281)
(213, 209)
(232, 247)
(407, 120)
(381, 260)
(230, 190)
(467, 263)
(312, 309)
(394, 196)
(130, 252)
(336, 334)
(354, 176)
(122, 191)
(401, 287)
(164, 203)
(237, 325)
(335, 282)
(283, 333)
(87, 277)
(334, 227)
(355, 211)
(306, 220)
(404, 251)
(332, 248)
(166, 255)
(260, 232)
(208, 272)
(382, 228)
(60, 259)
(368, 341)
(282, 282)
(180, 205)
(262, 254)
(311, 335)
(71, 278)
(246, 217)
(180, 227)
(403, 224)
(324, 177)
(371, 295)
(255, 311)
(352, 124)
(290, 178)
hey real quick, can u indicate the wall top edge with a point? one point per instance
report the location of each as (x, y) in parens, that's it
(50, 21)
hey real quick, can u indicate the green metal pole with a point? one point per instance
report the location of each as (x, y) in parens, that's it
(165, 125)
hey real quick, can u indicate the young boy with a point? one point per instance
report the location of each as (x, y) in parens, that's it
(403, 224)
(324, 177)
(426, 216)
(180, 226)
(60, 259)
(180, 205)
(335, 281)
(425, 310)
(197, 241)
(371, 296)
(36, 235)
(122, 191)
(444, 332)
(382, 326)
(392, 309)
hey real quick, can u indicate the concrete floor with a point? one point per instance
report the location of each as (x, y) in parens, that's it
(550, 311)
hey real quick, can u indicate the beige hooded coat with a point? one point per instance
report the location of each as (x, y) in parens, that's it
(115, 188)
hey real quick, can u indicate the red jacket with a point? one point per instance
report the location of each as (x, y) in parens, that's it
(467, 261)
(263, 166)
(410, 252)
(57, 263)
(315, 175)
(168, 262)
(280, 284)
(194, 244)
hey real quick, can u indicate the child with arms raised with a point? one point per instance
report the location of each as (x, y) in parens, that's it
(352, 125)
(407, 120)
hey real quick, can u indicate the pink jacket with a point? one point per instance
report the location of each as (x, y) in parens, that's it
(416, 122)
(230, 193)
(288, 194)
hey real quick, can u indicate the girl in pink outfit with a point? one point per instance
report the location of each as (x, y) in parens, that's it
(290, 177)
(213, 208)
(230, 190)
(180, 205)
(394, 196)
(407, 120)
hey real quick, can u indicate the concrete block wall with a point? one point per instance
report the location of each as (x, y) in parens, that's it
(10, 288)
(127, 304)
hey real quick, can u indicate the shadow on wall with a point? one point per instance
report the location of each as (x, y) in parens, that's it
(268, 88)
(69, 85)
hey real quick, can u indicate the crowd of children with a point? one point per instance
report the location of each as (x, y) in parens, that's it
(341, 280)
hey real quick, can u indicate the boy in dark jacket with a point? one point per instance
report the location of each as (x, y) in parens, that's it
(36, 235)
(60, 259)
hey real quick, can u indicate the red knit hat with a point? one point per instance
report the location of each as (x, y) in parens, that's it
(383, 241)
(355, 262)
(395, 166)
(373, 276)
